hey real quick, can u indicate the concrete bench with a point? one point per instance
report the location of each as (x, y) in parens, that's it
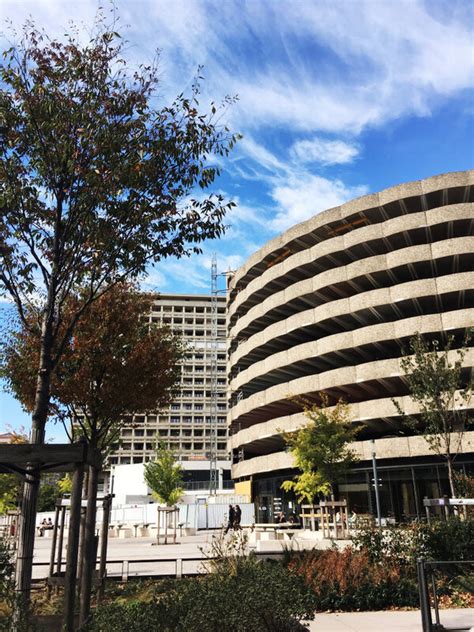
(189, 531)
(142, 530)
(114, 529)
(286, 534)
(45, 531)
(125, 531)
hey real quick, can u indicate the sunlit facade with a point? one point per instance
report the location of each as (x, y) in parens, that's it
(328, 306)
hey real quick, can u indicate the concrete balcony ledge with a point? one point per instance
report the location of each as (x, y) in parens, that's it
(390, 448)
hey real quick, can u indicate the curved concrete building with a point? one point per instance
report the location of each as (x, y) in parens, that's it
(328, 306)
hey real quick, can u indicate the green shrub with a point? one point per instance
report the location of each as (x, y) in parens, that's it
(349, 580)
(259, 597)
(452, 539)
(398, 545)
(8, 594)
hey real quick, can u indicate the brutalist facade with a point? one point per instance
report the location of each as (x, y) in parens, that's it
(329, 306)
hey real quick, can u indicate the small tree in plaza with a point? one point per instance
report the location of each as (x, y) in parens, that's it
(433, 374)
(164, 477)
(321, 450)
(96, 182)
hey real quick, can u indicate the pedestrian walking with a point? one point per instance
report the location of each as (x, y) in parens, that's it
(237, 517)
(230, 519)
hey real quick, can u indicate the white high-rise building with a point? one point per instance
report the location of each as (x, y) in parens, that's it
(185, 426)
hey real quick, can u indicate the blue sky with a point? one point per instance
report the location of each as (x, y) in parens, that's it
(336, 99)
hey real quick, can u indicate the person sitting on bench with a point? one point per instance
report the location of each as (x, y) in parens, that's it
(45, 525)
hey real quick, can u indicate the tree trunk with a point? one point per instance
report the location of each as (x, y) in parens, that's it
(82, 538)
(449, 462)
(26, 541)
(72, 549)
(27, 520)
(89, 553)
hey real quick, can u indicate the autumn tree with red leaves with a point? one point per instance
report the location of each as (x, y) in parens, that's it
(116, 364)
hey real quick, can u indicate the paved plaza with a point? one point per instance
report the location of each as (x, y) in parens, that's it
(389, 621)
(140, 553)
(138, 550)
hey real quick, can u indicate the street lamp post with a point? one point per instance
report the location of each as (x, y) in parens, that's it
(376, 484)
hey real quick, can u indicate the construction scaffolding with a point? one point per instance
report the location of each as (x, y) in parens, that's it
(213, 472)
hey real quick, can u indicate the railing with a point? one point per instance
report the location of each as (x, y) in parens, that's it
(426, 575)
(126, 572)
(448, 506)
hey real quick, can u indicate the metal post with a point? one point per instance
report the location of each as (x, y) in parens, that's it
(446, 507)
(415, 493)
(125, 564)
(427, 509)
(376, 484)
(425, 609)
(53, 545)
(61, 540)
(73, 548)
(104, 537)
(435, 599)
(158, 513)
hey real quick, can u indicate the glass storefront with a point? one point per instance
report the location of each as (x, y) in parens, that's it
(401, 490)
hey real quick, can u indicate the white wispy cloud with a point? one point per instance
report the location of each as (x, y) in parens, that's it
(383, 59)
(295, 191)
(301, 197)
(260, 154)
(389, 59)
(309, 75)
(325, 152)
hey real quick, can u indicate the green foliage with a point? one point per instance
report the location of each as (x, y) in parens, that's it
(88, 159)
(393, 545)
(8, 595)
(49, 492)
(164, 477)
(239, 594)
(47, 496)
(379, 571)
(97, 180)
(433, 373)
(348, 580)
(321, 450)
(10, 485)
(464, 485)
(307, 486)
(65, 484)
(260, 597)
(451, 540)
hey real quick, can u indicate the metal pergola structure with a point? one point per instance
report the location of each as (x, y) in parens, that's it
(70, 457)
(56, 576)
